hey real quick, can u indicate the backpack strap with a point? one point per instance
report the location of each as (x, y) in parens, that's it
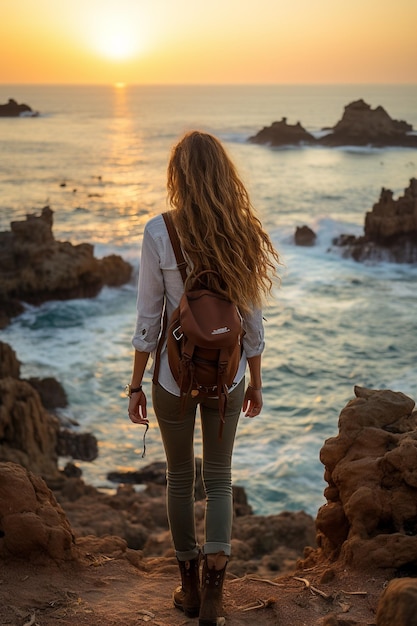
(182, 267)
(176, 245)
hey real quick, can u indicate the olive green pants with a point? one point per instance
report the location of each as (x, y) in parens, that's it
(177, 430)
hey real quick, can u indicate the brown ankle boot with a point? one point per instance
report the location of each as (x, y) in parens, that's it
(187, 596)
(212, 593)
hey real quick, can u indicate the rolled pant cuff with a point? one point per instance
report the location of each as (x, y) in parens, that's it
(213, 547)
(188, 555)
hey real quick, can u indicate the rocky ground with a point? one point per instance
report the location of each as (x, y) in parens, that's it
(105, 588)
(74, 556)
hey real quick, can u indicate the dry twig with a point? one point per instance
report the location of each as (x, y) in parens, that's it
(256, 579)
(146, 613)
(31, 621)
(308, 585)
(260, 604)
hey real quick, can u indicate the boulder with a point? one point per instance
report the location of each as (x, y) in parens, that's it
(51, 392)
(369, 520)
(28, 433)
(264, 534)
(398, 603)
(13, 109)
(390, 232)
(81, 446)
(153, 473)
(9, 363)
(32, 524)
(34, 267)
(283, 134)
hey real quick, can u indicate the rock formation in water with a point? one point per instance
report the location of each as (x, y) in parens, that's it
(360, 126)
(283, 134)
(370, 518)
(13, 109)
(34, 267)
(390, 232)
(304, 236)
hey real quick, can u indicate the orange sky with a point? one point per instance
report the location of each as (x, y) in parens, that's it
(208, 41)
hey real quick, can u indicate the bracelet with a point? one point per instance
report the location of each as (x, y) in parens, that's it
(129, 390)
(255, 388)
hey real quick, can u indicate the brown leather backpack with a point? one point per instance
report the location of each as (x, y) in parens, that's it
(204, 338)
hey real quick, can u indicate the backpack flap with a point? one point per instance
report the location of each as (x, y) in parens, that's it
(210, 321)
(204, 342)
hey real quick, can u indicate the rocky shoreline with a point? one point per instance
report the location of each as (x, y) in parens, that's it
(364, 535)
(57, 533)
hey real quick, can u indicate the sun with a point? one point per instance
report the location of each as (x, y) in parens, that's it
(118, 46)
(118, 38)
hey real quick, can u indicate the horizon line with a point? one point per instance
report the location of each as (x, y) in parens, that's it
(210, 84)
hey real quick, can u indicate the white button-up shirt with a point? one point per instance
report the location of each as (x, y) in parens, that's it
(160, 281)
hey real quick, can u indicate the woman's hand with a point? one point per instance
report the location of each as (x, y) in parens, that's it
(137, 408)
(137, 401)
(252, 402)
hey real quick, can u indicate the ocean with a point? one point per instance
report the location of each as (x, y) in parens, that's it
(98, 157)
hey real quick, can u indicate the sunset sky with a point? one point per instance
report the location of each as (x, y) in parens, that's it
(208, 41)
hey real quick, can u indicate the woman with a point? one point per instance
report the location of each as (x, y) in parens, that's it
(218, 230)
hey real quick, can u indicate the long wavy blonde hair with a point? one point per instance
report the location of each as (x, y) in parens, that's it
(216, 222)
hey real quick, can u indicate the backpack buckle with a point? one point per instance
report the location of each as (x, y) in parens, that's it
(177, 333)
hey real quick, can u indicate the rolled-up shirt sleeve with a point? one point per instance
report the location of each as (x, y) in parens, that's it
(254, 339)
(150, 298)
